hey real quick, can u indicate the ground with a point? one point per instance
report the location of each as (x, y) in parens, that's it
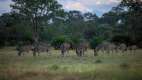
(114, 66)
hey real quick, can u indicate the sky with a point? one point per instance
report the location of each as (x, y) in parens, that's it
(97, 6)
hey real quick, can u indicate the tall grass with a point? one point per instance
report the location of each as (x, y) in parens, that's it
(113, 66)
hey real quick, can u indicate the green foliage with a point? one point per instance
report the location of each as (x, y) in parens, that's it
(57, 41)
(95, 41)
(132, 18)
(54, 67)
(38, 13)
(12, 29)
(47, 20)
(98, 61)
(124, 65)
(121, 39)
(77, 40)
(46, 36)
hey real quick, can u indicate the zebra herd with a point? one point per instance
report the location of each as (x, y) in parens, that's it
(80, 48)
(113, 48)
(36, 49)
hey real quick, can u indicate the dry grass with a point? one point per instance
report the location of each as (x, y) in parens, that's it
(116, 66)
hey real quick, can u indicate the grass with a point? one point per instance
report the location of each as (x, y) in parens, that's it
(115, 66)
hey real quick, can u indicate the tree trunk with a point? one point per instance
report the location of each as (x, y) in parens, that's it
(35, 36)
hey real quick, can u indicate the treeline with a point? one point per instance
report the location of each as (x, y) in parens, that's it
(123, 24)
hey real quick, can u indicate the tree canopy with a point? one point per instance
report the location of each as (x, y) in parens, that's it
(46, 20)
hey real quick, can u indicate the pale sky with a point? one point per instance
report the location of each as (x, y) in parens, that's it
(97, 6)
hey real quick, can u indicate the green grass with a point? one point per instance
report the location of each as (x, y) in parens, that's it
(116, 66)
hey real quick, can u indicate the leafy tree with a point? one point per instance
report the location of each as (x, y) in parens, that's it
(38, 12)
(133, 18)
(57, 41)
(125, 20)
(91, 23)
(75, 23)
(96, 41)
(90, 17)
(121, 39)
(8, 28)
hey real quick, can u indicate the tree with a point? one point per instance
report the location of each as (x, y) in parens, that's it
(94, 42)
(58, 41)
(90, 17)
(133, 18)
(38, 12)
(75, 23)
(125, 20)
(91, 23)
(8, 30)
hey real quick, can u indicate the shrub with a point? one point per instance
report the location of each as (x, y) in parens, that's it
(54, 67)
(121, 39)
(95, 41)
(77, 40)
(98, 61)
(57, 41)
(124, 65)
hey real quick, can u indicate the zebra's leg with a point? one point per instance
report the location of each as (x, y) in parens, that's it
(62, 53)
(34, 53)
(38, 53)
(81, 53)
(95, 52)
(77, 52)
(19, 53)
(48, 52)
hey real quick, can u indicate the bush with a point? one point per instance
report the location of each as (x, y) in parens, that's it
(57, 41)
(77, 40)
(45, 35)
(95, 41)
(121, 39)
(124, 65)
(54, 67)
(98, 61)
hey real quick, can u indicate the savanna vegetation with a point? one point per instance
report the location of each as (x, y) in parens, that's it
(114, 66)
(30, 20)
(82, 46)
